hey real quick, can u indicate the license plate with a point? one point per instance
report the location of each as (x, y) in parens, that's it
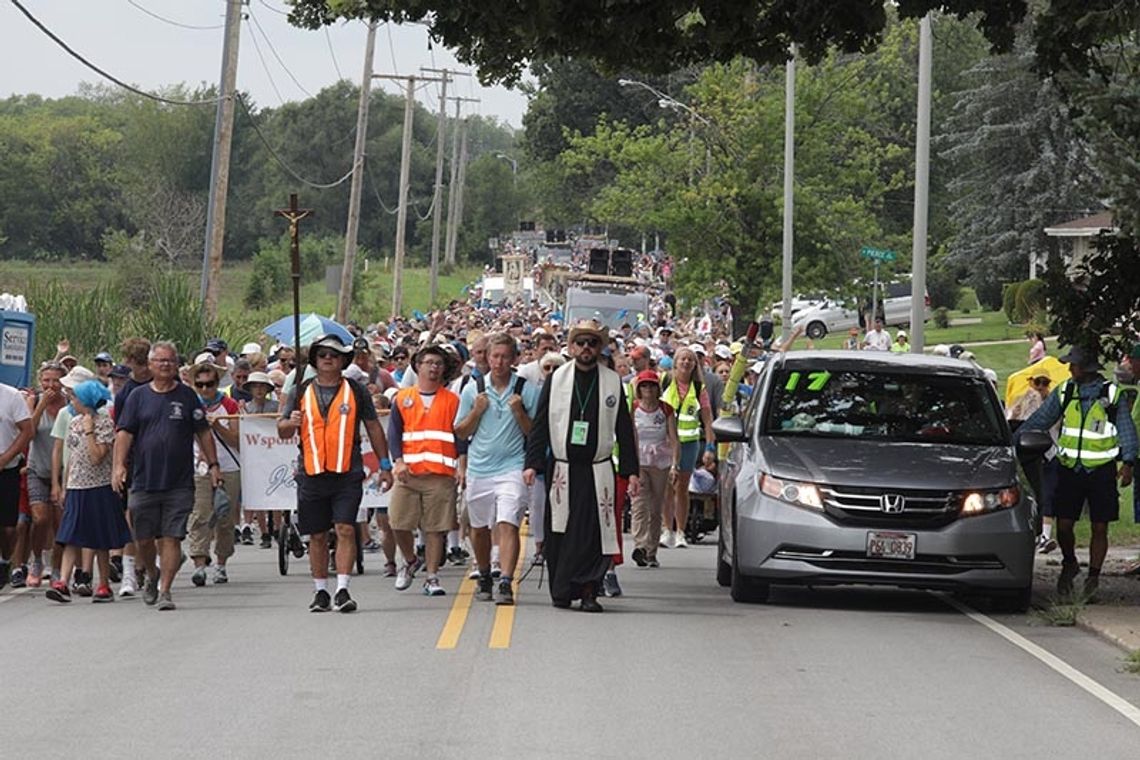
(890, 545)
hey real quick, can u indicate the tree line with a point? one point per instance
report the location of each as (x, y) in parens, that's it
(86, 176)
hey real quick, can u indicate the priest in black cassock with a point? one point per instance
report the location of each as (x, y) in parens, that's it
(581, 414)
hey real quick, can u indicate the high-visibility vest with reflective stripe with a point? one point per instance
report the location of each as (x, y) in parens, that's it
(327, 442)
(1087, 438)
(688, 411)
(429, 433)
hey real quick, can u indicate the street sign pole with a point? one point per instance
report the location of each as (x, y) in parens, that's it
(874, 298)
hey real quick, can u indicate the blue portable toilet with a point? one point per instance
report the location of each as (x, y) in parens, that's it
(17, 347)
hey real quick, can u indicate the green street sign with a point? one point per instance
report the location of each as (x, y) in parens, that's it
(877, 254)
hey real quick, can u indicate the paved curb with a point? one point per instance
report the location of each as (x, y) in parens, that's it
(1106, 633)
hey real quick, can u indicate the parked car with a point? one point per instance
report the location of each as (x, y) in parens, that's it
(799, 303)
(871, 468)
(829, 316)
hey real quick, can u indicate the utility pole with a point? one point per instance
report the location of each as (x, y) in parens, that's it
(452, 194)
(405, 182)
(921, 190)
(462, 179)
(437, 197)
(344, 297)
(789, 188)
(220, 163)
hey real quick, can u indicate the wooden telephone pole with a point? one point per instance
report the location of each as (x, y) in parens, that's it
(405, 181)
(454, 189)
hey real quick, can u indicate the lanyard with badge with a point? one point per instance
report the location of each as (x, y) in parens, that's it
(580, 430)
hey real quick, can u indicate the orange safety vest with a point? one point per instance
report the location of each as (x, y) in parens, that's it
(327, 442)
(429, 434)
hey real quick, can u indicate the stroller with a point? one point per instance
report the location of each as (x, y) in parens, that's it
(704, 514)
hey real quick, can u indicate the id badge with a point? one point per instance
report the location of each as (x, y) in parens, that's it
(579, 432)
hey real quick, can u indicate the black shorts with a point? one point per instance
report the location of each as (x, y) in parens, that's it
(9, 497)
(160, 514)
(325, 500)
(1098, 486)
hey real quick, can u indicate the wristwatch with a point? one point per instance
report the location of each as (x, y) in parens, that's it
(386, 464)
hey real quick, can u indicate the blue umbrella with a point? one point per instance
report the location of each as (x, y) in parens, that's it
(312, 326)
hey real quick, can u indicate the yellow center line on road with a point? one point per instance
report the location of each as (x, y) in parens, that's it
(449, 636)
(505, 615)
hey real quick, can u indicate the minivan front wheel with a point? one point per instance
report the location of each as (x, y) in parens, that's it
(816, 330)
(742, 588)
(723, 569)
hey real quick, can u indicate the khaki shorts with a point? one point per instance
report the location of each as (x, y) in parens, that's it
(425, 501)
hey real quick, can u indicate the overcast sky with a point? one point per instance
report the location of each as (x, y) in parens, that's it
(121, 38)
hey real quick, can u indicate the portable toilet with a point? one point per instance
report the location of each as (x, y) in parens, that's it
(17, 347)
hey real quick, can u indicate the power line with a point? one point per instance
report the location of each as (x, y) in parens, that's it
(104, 74)
(273, 50)
(336, 65)
(265, 66)
(165, 20)
(281, 161)
(278, 11)
(391, 48)
(376, 189)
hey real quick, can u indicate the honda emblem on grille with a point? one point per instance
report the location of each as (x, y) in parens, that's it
(892, 503)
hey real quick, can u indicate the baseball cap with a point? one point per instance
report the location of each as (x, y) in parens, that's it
(104, 358)
(217, 345)
(722, 351)
(360, 345)
(120, 370)
(697, 348)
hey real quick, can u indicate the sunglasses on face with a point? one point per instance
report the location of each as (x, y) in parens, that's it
(327, 355)
(591, 342)
(203, 385)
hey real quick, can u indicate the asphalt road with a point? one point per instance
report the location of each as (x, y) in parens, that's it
(674, 669)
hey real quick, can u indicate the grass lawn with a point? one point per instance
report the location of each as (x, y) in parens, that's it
(375, 297)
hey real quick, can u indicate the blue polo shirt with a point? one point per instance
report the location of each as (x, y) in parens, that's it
(498, 445)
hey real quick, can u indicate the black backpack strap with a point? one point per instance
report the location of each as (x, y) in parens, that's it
(1067, 396)
(519, 383)
(480, 384)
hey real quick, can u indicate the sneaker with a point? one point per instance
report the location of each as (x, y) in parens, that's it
(639, 557)
(653, 562)
(19, 577)
(610, 584)
(679, 542)
(344, 602)
(420, 549)
(455, 556)
(496, 571)
(103, 594)
(389, 569)
(140, 577)
(266, 541)
(58, 592)
(84, 589)
(128, 587)
(321, 602)
(473, 573)
(116, 571)
(405, 574)
(483, 590)
(150, 591)
(237, 535)
(506, 594)
(1069, 571)
(1046, 545)
(247, 536)
(165, 603)
(666, 541)
(199, 576)
(371, 547)
(432, 587)
(35, 575)
(220, 575)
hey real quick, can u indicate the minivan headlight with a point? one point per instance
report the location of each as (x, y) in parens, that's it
(984, 502)
(792, 491)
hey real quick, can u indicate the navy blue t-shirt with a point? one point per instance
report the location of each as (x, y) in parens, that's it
(163, 425)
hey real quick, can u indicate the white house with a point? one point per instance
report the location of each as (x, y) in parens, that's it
(1081, 232)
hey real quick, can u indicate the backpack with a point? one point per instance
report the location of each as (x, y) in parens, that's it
(481, 384)
(1109, 408)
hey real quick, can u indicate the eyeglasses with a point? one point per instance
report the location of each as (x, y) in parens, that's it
(165, 361)
(207, 384)
(591, 342)
(431, 363)
(327, 355)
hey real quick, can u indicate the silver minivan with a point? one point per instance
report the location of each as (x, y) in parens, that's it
(827, 316)
(874, 468)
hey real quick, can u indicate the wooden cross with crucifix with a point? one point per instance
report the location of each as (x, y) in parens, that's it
(295, 215)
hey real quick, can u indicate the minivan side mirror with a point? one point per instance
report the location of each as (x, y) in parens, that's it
(1031, 444)
(729, 430)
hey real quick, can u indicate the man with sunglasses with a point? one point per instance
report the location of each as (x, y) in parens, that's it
(327, 411)
(581, 413)
(156, 429)
(221, 411)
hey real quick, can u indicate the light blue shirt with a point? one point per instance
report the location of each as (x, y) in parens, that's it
(498, 445)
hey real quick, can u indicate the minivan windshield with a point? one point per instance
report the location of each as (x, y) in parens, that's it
(883, 405)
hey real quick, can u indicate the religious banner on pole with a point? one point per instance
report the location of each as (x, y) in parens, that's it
(269, 466)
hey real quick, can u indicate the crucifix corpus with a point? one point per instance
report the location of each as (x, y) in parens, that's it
(295, 215)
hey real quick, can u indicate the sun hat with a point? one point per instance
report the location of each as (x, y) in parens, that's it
(92, 394)
(335, 342)
(588, 327)
(207, 357)
(76, 376)
(260, 377)
(250, 348)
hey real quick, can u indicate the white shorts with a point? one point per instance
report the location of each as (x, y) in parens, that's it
(496, 499)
